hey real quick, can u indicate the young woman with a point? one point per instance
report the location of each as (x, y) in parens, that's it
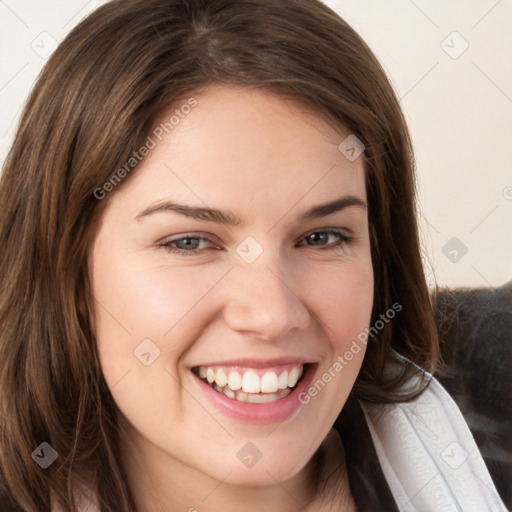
(212, 290)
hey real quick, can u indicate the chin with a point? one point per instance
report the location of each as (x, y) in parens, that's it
(263, 474)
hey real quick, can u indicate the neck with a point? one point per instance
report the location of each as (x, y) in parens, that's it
(159, 483)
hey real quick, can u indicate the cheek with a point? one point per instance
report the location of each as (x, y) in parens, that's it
(342, 300)
(135, 302)
(143, 301)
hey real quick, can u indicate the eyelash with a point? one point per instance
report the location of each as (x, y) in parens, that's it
(343, 239)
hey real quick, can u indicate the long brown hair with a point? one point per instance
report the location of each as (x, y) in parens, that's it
(94, 105)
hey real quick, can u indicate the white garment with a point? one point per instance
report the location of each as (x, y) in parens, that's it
(429, 457)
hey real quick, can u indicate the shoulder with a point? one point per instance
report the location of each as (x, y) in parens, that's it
(428, 454)
(476, 347)
(475, 326)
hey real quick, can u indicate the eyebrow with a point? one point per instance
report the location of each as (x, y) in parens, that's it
(230, 219)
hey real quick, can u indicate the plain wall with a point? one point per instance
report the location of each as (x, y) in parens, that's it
(457, 101)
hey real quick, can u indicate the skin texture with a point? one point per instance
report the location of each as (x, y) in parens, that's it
(265, 159)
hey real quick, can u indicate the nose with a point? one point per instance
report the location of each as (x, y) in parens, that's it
(262, 303)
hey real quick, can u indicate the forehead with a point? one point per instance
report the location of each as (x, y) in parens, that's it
(241, 148)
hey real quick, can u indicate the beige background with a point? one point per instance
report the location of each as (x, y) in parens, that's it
(451, 64)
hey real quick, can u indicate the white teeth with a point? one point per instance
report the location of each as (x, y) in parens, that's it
(293, 377)
(262, 399)
(282, 382)
(269, 383)
(234, 380)
(241, 396)
(251, 382)
(250, 387)
(228, 392)
(220, 378)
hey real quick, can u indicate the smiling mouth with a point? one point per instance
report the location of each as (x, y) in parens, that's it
(252, 385)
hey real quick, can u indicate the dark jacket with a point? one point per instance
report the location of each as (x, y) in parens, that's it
(475, 330)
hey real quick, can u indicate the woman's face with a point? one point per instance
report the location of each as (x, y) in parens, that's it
(262, 274)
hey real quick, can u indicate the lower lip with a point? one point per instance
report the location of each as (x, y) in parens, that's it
(271, 412)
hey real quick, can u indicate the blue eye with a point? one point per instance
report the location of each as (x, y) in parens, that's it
(186, 246)
(190, 244)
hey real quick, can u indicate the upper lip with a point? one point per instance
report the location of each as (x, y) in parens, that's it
(259, 363)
